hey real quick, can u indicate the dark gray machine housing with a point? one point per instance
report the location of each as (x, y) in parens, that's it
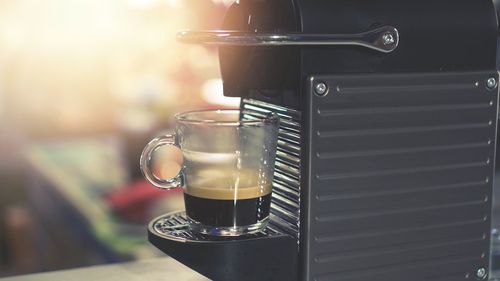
(397, 158)
(385, 161)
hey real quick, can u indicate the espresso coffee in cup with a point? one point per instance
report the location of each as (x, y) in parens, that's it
(227, 197)
(226, 168)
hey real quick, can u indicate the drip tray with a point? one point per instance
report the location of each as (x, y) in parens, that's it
(228, 257)
(174, 226)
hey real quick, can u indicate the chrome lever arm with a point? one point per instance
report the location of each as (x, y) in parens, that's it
(383, 39)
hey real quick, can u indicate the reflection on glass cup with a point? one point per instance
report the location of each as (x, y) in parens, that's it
(228, 164)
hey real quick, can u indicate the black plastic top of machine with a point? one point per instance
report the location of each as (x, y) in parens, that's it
(435, 36)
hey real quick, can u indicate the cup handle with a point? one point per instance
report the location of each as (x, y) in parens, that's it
(145, 163)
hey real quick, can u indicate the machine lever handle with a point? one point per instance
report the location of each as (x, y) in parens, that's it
(383, 39)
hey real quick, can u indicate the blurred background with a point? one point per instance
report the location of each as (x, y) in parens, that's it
(84, 84)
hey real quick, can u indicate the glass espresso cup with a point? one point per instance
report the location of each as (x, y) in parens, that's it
(227, 170)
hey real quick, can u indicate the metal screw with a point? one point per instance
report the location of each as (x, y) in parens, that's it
(491, 83)
(321, 88)
(388, 38)
(481, 273)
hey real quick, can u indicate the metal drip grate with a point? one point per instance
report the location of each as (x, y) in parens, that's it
(175, 226)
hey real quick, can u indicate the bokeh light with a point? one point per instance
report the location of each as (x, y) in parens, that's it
(84, 85)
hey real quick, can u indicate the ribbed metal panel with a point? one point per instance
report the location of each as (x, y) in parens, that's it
(400, 178)
(285, 210)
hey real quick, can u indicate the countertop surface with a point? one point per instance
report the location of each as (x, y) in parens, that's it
(158, 269)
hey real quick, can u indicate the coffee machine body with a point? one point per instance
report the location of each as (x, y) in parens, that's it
(385, 159)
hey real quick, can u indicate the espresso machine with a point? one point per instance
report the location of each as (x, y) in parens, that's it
(386, 149)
